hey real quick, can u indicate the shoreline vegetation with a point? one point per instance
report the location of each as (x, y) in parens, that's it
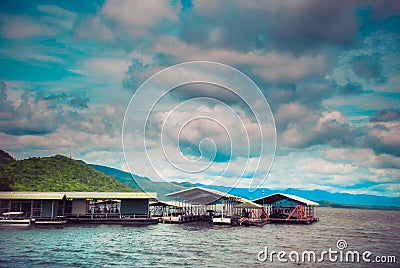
(331, 204)
(61, 173)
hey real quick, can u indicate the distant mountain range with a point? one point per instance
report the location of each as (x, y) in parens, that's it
(331, 199)
(142, 183)
(61, 173)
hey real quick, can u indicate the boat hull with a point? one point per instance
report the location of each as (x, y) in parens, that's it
(15, 223)
(222, 221)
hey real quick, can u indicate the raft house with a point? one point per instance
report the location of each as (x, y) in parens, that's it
(132, 208)
(57, 208)
(287, 208)
(201, 204)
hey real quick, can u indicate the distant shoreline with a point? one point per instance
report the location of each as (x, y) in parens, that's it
(354, 206)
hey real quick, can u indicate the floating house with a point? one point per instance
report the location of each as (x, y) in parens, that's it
(218, 207)
(80, 207)
(223, 208)
(172, 212)
(192, 204)
(211, 204)
(41, 205)
(287, 208)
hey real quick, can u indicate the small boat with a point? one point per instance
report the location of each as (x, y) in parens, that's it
(11, 219)
(222, 220)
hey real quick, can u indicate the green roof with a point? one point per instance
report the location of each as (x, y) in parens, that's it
(110, 195)
(76, 195)
(32, 195)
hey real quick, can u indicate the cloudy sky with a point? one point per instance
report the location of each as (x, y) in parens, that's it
(329, 71)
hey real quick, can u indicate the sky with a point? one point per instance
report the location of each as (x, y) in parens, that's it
(88, 80)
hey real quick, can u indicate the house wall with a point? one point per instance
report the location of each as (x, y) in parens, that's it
(79, 207)
(5, 206)
(134, 206)
(49, 208)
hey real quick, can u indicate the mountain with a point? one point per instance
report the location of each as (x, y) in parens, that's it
(61, 173)
(143, 183)
(342, 198)
(57, 173)
(5, 158)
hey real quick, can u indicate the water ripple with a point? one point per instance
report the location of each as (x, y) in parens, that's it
(197, 244)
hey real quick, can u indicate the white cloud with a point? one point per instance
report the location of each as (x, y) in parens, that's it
(110, 67)
(364, 157)
(138, 17)
(16, 27)
(323, 166)
(56, 16)
(93, 27)
(24, 55)
(387, 189)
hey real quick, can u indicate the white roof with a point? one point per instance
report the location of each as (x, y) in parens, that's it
(280, 196)
(248, 204)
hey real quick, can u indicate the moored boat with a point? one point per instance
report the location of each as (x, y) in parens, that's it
(15, 219)
(222, 220)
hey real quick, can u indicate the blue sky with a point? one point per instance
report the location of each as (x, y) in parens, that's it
(328, 69)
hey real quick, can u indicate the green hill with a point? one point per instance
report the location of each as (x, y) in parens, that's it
(56, 173)
(143, 183)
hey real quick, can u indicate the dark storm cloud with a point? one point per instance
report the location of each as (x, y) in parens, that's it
(80, 102)
(380, 10)
(309, 93)
(132, 79)
(58, 97)
(295, 26)
(301, 27)
(386, 115)
(383, 141)
(24, 118)
(366, 67)
(33, 114)
(3, 94)
(198, 90)
(350, 89)
(335, 133)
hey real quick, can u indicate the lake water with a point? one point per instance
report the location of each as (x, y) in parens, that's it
(202, 244)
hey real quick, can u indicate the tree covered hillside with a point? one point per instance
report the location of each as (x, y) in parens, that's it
(56, 173)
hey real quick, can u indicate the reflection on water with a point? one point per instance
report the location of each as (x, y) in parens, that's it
(198, 244)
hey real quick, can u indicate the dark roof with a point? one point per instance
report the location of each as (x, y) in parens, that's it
(201, 196)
